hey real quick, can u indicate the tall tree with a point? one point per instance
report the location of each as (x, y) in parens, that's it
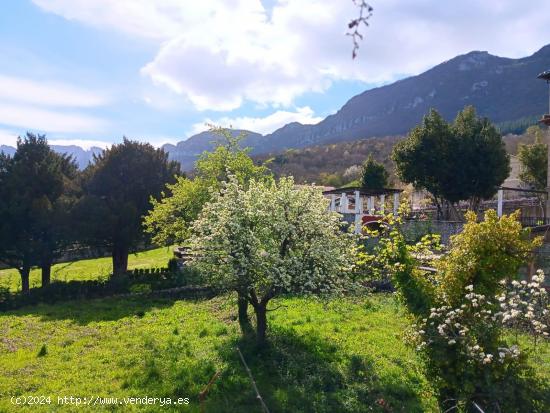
(420, 159)
(119, 186)
(374, 174)
(481, 163)
(34, 206)
(465, 160)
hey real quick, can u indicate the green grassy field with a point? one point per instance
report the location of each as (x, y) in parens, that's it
(87, 269)
(340, 356)
(336, 356)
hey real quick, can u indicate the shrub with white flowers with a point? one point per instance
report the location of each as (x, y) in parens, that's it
(463, 315)
(271, 238)
(525, 306)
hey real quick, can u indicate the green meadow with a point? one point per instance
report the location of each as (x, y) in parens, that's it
(341, 355)
(336, 356)
(87, 269)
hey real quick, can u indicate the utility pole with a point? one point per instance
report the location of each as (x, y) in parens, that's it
(545, 120)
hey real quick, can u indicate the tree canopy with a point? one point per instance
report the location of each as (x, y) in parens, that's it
(464, 160)
(534, 161)
(118, 188)
(374, 174)
(35, 199)
(170, 217)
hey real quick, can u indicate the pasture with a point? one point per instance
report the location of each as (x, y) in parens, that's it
(341, 355)
(336, 356)
(86, 269)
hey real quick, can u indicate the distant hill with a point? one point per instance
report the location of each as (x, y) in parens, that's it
(332, 164)
(187, 151)
(505, 90)
(502, 89)
(8, 150)
(81, 156)
(337, 164)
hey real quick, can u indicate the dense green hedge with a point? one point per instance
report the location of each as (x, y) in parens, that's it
(145, 280)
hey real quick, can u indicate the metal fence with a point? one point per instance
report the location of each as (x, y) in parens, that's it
(534, 221)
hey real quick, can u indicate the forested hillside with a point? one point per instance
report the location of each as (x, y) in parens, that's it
(333, 164)
(339, 163)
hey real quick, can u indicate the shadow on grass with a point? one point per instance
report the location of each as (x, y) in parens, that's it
(87, 311)
(293, 374)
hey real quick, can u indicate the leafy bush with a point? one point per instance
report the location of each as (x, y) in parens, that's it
(390, 259)
(140, 288)
(462, 312)
(525, 306)
(469, 360)
(138, 280)
(483, 254)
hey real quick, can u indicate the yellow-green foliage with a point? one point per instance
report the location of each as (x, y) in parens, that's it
(170, 218)
(483, 254)
(393, 258)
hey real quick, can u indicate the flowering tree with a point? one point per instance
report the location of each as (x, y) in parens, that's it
(170, 218)
(269, 239)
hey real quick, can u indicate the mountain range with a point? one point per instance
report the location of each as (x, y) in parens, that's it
(502, 89)
(80, 155)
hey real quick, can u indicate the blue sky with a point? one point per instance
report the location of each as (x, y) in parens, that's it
(90, 71)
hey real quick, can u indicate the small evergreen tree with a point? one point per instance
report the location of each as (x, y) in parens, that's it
(374, 174)
(465, 160)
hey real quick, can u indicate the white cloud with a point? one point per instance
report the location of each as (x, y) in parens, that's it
(221, 53)
(8, 137)
(83, 143)
(143, 18)
(158, 141)
(47, 93)
(47, 106)
(263, 125)
(31, 117)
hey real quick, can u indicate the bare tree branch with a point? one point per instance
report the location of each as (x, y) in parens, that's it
(354, 26)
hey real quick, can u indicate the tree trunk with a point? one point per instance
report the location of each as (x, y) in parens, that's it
(120, 260)
(25, 285)
(261, 324)
(46, 273)
(244, 321)
(243, 308)
(456, 213)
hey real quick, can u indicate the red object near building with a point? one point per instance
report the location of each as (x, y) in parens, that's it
(367, 219)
